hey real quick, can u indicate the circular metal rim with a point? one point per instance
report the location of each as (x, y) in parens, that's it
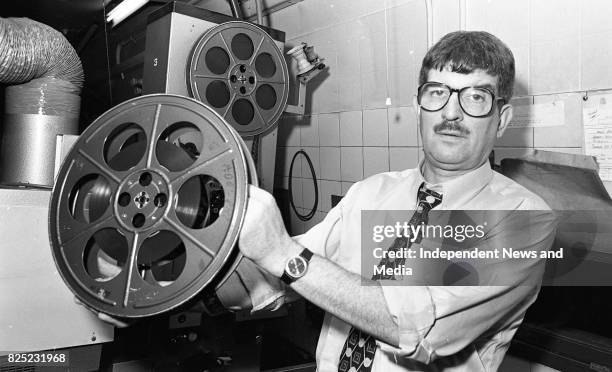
(253, 180)
(280, 60)
(195, 286)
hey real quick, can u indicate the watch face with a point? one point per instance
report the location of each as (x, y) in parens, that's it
(296, 267)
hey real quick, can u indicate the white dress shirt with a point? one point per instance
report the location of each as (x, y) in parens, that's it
(441, 328)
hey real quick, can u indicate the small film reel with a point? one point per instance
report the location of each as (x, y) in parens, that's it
(148, 204)
(237, 69)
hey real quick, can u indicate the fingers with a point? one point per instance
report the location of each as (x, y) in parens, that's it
(103, 317)
(109, 319)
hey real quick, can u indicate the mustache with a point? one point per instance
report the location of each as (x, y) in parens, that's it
(451, 126)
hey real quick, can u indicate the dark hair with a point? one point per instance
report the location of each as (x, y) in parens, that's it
(467, 51)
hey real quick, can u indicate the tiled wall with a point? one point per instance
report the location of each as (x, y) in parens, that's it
(374, 49)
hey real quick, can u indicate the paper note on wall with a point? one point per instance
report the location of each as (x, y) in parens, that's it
(597, 122)
(550, 114)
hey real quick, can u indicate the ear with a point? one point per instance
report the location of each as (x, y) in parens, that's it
(504, 119)
(416, 106)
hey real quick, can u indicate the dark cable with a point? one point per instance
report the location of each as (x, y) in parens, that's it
(303, 217)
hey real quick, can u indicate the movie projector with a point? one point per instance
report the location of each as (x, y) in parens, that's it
(148, 204)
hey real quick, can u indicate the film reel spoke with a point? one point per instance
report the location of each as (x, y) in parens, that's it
(97, 166)
(200, 166)
(78, 232)
(151, 132)
(260, 116)
(97, 259)
(227, 110)
(259, 44)
(227, 47)
(177, 227)
(133, 243)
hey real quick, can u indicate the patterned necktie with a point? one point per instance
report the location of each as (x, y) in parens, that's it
(359, 347)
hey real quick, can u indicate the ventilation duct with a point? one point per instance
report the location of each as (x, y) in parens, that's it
(43, 100)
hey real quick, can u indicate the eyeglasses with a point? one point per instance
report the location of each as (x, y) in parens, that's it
(474, 101)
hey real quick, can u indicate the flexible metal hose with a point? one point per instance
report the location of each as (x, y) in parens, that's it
(31, 50)
(36, 54)
(45, 78)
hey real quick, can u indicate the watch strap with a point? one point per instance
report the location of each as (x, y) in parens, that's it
(306, 254)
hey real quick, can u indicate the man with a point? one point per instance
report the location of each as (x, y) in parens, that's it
(466, 83)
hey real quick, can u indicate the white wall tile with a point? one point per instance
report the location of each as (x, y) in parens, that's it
(375, 160)
(309, 130)
(329, 130)
(446, 17)
(401, 158)
(313, 154)
(351, 164)
(347, 36)
(372, 6)
(324, 94)
(318, 217)
(402, 85)
(296, 189)
(374, 89)
(521, 65)
(555, 66)
(596, 17)
(283, 162)
(316, 14)
(349, 94)
(351, 128)
(554, 19)
(308, 194)
(326, 189)
(288, 131)
(372, 46)
(349, 9)
(407, 33)
(596, 56)
(287, 20)
(330, 163)
(346, 186)
(494, 15)
(402, 126)
(375, 128)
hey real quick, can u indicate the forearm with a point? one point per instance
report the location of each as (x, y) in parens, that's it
(358, 301)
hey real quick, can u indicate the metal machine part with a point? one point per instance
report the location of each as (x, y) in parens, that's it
(237, 68)
(148, 204)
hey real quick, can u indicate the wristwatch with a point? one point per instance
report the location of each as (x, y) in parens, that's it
(296, 267)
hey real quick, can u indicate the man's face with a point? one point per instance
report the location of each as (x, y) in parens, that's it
(453, 140)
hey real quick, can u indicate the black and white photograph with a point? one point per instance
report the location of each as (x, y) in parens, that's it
(305, 185)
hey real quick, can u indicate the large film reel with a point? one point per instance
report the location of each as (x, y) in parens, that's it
(148, 204)
(237, 69)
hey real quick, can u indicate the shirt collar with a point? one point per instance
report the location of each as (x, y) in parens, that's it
(460, 190)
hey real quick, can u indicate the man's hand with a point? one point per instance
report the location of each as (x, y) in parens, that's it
(104, 317)
(263, 237)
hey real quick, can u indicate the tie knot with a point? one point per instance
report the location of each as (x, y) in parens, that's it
(428, 199)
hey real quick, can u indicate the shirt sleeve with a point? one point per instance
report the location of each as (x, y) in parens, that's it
(322, 239)
(438, 321)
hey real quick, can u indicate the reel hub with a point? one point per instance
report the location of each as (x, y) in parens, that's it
(147, 206)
